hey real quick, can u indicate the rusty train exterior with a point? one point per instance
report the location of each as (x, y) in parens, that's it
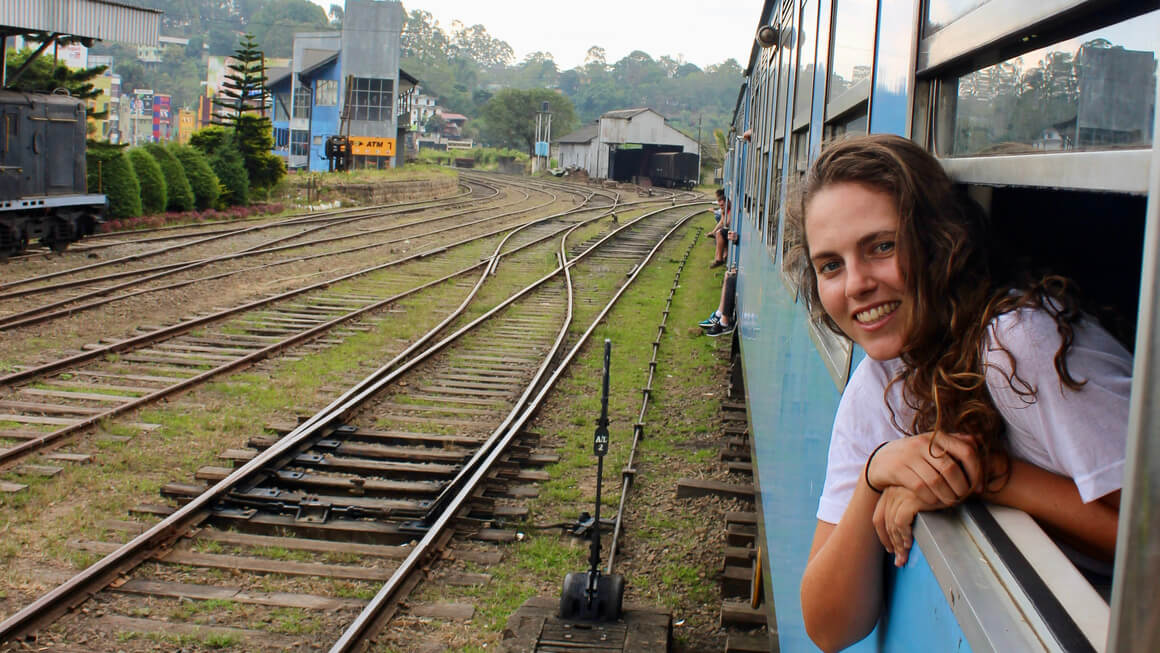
(43, 195)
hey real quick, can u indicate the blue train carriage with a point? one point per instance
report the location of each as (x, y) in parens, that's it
(43, 194)
(1045, 112)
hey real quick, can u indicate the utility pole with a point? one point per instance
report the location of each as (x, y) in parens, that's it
(699, 146)
(543, 138)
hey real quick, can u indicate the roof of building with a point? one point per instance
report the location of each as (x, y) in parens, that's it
(625, 113)
(275, 76)
(313, 59)
(451, 117)
(403, 75)
(583, 135)
(105, 20)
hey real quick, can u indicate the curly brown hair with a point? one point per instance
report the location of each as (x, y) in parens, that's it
(943, 257)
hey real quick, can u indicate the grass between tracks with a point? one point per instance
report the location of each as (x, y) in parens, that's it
(686, 397)
(37, 524)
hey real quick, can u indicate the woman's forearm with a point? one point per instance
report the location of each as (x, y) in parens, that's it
(1054, 501)
(842, 584)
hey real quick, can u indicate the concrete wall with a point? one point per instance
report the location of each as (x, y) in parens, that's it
(370, 48)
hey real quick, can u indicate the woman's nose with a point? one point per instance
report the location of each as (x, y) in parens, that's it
(859, 279)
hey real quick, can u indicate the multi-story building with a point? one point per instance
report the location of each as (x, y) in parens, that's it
(345, 83)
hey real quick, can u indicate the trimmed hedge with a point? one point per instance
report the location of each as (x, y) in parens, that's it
(110, 171)
(178, 191)
(202, 179)
(153, 193)
(219, 146)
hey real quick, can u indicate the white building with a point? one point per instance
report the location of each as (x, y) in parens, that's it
(617, 146)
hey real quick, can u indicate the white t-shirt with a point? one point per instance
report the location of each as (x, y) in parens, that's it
(1081, 433)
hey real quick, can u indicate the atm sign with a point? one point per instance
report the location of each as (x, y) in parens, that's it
(370, 146)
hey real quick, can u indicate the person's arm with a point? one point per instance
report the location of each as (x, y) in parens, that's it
(841, 589)
(1054, 501)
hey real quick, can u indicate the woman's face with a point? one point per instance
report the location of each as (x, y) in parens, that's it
(851, 230)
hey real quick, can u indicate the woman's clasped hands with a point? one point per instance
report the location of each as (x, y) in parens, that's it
(931, 471)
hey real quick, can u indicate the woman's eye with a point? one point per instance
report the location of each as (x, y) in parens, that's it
(827, 267)
(884, 247)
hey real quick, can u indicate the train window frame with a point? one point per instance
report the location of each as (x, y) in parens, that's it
(1111, 170)
(981, 33)
(836, 105)
(807, 109)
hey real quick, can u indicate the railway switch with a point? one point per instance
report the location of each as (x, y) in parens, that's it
(588, 595)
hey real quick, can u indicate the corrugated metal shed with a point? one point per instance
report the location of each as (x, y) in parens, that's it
(98, 19)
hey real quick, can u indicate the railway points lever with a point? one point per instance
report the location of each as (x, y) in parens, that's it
(588, 595)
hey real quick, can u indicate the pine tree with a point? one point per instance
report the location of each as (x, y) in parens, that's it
(245, 88)
(42, 76)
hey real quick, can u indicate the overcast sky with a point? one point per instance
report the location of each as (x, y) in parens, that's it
(695, 29)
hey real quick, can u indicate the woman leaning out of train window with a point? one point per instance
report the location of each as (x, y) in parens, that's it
(969, 388)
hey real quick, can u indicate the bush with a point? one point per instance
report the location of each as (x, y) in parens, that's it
(153, 193)
(202, 179)
(111, 172)
(219, 146)
(178, 191)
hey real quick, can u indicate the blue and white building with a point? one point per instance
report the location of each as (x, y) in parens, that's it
(345, 83)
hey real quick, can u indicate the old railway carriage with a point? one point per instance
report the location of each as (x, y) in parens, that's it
(43, 192)
(1046, 112)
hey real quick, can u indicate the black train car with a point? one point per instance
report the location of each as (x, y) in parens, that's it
(674, 169)
(42, 172)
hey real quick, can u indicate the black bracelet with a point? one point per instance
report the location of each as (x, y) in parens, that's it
(866, 472)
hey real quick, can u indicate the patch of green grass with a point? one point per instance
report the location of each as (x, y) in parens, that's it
(293, 621)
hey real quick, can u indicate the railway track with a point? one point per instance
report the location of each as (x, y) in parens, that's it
(46, 404)
(419, 451)
(67, 297)
(219, 229)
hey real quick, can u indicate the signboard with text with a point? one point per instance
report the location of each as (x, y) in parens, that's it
(372, 146)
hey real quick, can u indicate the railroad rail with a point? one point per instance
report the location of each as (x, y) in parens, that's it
(352, 471)
(164, 361)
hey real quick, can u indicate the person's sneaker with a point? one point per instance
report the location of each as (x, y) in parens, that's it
(716, 264)
(719, 330)
(713, 319)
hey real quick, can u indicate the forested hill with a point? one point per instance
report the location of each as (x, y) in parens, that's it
(462, 65)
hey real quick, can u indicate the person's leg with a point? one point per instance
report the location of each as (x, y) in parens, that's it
(728, 299)
(721, 244)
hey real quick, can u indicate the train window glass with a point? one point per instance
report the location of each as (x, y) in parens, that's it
(940, 13)
(807, 49)
(301, 102)
(1093, 92)
(326, 92)
(852, 52)
(854, 122)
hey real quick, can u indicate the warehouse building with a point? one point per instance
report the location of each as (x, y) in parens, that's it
(344, 83)
(618, 145)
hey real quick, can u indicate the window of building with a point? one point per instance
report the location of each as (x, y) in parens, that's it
(371, 99)
(299, 142)
(281, 107)
(326, 92)
(281, 138)
(302, 102)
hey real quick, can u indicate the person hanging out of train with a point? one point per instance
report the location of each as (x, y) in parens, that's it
(720, 231)
(970, 388)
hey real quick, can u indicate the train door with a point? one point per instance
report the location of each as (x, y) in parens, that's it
(60, 146)
(12, 171)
